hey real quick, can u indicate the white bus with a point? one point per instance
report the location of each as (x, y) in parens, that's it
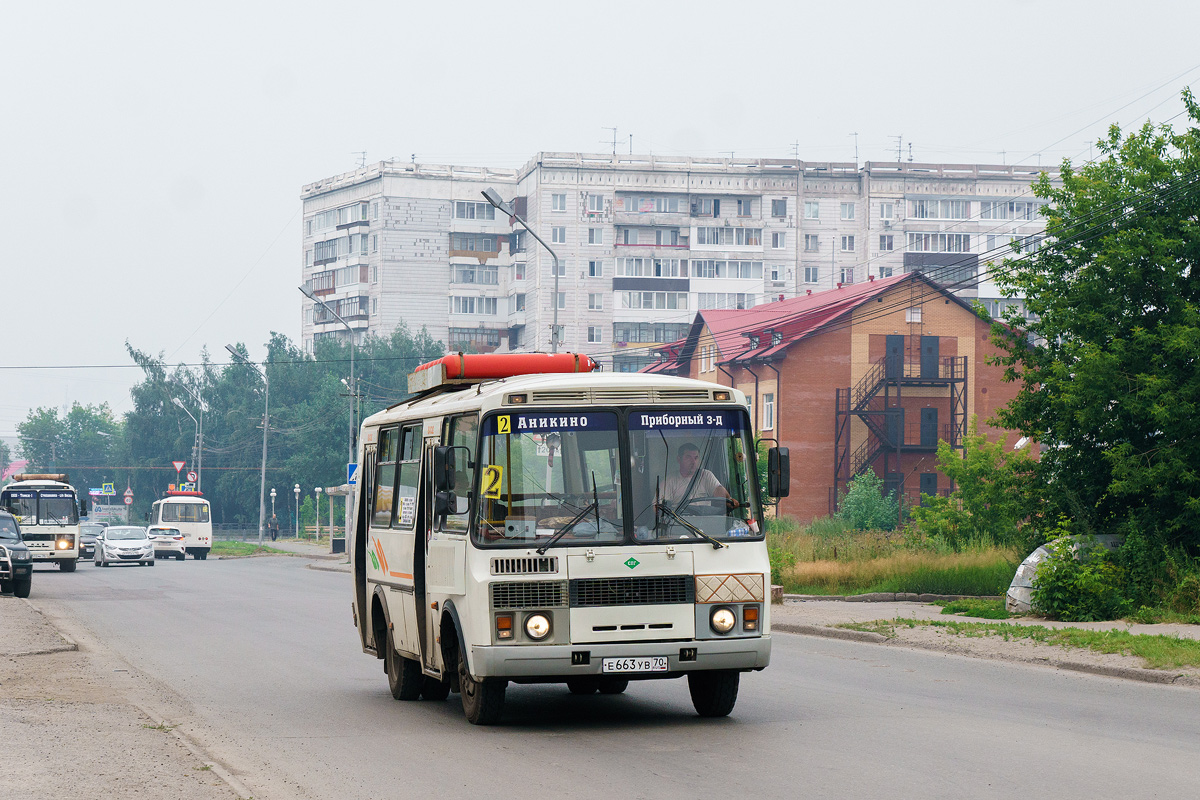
(539, 523)
(191, 514)
(47, 509)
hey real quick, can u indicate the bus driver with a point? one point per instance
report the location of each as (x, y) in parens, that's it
(675, 487)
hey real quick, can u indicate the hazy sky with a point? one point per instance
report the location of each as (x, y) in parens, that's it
(153, 153)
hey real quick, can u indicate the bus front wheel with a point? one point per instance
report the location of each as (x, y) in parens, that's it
(67, 566)
(713, 693)
(482, 700)
(404, 675)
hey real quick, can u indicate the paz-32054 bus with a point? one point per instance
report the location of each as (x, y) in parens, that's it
(526, 520)
(47, 509)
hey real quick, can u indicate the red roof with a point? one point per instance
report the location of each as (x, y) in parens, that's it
(792, 320)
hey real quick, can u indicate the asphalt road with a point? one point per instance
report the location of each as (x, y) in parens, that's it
(258, 661)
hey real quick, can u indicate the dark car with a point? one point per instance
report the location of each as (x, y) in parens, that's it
(88, 531)
(16, 565)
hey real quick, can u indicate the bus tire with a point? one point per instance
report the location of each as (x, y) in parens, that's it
(204, 556)
(435, 689)
(404, 675)
(180, 557)
(21, 587)
(482, 700)
(67, 566)
(613, 685)
(714, 692)
(583, 685)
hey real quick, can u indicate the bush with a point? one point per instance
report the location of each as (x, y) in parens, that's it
(1079, 582)
(864, 506)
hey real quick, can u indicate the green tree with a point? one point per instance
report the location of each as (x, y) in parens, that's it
(1107, 365)
(994, 492)
(864, 506)
(84, 443)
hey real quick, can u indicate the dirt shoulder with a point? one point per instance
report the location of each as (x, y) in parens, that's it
(73, 725)
(818, 617)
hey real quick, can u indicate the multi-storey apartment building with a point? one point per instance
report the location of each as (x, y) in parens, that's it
(643, 242)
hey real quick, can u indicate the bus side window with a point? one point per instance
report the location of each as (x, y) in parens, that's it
(385, 478)
(462, 432)
(409, 468)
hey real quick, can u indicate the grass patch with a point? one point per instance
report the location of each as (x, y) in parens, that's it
(975, 607)
(828, 557)
(1159, 652)
(163, 727)
(230, 548)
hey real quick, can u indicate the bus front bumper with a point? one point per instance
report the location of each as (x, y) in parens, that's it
(536, 662)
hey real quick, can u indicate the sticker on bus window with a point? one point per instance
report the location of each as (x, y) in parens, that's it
(493, 474)
(544, 422)
(686, 420)
(408, 509)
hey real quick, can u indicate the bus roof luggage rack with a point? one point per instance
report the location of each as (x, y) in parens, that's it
(60, 477)
(460, 369)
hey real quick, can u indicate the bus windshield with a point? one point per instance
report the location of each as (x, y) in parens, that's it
(42, 507)
(691, 475)
(548, 473)
(184, 512)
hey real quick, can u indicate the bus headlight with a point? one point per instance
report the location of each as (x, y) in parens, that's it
(537, 626)
(64, 544)
(722, 620)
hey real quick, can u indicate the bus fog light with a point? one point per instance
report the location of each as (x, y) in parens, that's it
(750, 618)
(504, 629)
(722, 620)
(537, 626)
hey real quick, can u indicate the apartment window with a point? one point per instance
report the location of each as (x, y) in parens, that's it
(723, 300)
(476, 274)
(939, 242)
(812, 209)
(810, 274)
(629, 236)
(558, 235)
(562, 300)
(518, 302)
(374, 306)
(847, 244)
(595, 235)
(779, 207)
(560, 270)
(308, 227)
(730, 236)
(847, 275)
(473, 305)
(558, 202)
(666, 237)
(595, 269)
(886, 242)
(655, 300)
(465, 210)
(885, 272)
(374, 243)
(812, 243)
(848, 211)
(939, 209)
(887, 210)
(374, 274)
(595, 203)
(652, 268)
(474, 243)
(375, 210)
(595, 301)
(595, 335)
(706, 207)
(519, 271)
(745, 207)
(774, 272)
(778, 240)
(912, 314)
(768, 409)
(1009, 209)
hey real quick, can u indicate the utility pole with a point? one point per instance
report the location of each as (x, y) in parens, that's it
(855, 135)
(899, 145)
(614, 139)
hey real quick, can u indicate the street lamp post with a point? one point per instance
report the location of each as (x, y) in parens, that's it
(262, 481)
(297, 492)
(317, 490)
(307, 292)
(200, 404)
(504, 208)
(196, 445)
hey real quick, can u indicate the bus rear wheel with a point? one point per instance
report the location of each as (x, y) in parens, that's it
(714, 693)
(435, 689)
(404, 675)
(67, 566)
(482, 700)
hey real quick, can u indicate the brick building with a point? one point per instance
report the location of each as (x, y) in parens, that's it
(869, 375)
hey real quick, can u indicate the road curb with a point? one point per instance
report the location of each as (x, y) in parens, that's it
(888, 597)
(70, 646)
(1139, 674)
(323, 568)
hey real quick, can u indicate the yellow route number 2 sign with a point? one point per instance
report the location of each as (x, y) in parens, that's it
(493, 474)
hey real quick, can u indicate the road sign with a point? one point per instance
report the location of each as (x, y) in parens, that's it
(107, 490)
(352, 474)
(128, 494)
(128, 499)
(96, 492)
(191, 476)
(178, 465)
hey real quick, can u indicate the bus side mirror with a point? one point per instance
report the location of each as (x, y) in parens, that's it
(444, 503)
(83, 511)
(443, 469)
(779, 472)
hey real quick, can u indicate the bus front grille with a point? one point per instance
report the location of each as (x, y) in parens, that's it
(641, 591)
(528, 594)
(39, 537)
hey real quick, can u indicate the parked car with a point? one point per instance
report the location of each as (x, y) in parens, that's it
(16, 565)
(88, 531)
(168, 542)
(127, 544)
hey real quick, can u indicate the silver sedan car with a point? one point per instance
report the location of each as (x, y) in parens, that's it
(124, 544)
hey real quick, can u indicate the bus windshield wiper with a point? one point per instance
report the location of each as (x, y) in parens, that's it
(670, 512)
(575, 520)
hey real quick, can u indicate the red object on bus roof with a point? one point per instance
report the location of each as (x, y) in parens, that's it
(488, 366)
(170, 493)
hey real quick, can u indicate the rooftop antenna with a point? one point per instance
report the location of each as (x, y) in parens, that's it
(614, 139)
(855, 135)
(414, 158)
(727, 151)
(910, 152)
(631, 144)
(899, 145)
(362, 157)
